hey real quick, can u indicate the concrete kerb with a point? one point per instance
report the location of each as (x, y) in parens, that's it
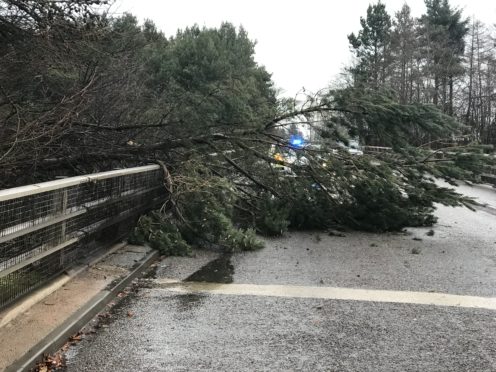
(59, 336)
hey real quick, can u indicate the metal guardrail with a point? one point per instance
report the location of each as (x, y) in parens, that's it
(46, 228)
(376, 149)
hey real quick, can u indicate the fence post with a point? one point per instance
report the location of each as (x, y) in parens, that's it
(63, 227)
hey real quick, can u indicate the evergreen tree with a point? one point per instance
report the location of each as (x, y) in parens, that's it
(404, 53)
(443, 31)
(372, 46)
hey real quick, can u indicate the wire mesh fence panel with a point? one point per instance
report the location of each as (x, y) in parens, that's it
(48, 227)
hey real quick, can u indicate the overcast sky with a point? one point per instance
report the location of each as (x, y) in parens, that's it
(302, 43)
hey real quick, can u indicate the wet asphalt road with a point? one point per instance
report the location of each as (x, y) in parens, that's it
(158, 329)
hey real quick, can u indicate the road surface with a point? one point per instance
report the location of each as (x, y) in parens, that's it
(310, 301)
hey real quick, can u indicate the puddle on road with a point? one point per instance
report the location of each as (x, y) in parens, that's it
(189, 301)
(220, 270)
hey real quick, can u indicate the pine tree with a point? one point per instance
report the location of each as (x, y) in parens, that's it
(443, 31)
(372, 46)
(404, 49)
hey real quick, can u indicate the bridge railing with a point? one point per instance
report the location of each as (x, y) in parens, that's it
(376, 149)
(46, 228)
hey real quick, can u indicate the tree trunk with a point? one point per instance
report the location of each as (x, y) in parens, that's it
(470, 79)
(450, 102)
(436, 91)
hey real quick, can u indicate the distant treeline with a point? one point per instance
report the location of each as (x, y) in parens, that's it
(441, 58)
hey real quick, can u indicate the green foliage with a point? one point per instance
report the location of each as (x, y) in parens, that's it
(160, 234)
(273, 218)
(211, 226)
(371, 45)
(241, 240)
(209, 220)
(376, 114)
(446, 27)
(378, 205)
(371, 204)
(311, 208)
(211, 80)
(205, 204)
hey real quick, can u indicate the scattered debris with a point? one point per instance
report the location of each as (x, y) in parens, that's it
(50, 363)
(122, 294)
(76, 338)
(104, 315)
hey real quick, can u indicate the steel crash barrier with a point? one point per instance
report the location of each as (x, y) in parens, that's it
(48, 227)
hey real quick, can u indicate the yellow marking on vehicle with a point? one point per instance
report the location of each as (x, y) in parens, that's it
(278, 157)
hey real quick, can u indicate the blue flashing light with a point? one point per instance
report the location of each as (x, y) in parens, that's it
(296, 141)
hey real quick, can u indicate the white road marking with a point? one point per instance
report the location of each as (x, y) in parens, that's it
(332, 293)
